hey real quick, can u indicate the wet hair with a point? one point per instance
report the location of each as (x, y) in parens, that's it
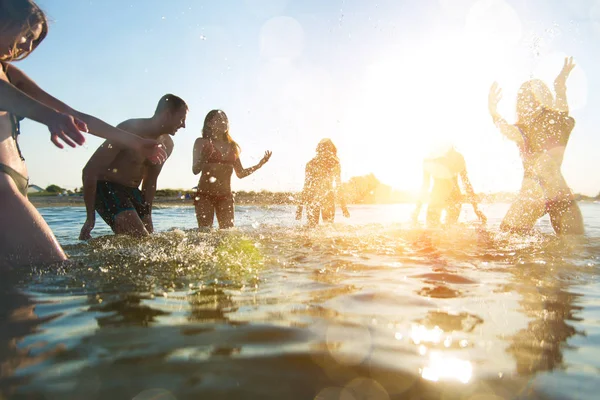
(209, 132)
(171, 103)
(326, 148)
(532, 95)
(326, 154)
(27, 15)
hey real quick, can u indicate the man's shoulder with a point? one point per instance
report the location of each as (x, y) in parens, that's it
(133, 125)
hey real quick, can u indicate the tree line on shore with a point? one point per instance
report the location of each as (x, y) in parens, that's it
(366, 189)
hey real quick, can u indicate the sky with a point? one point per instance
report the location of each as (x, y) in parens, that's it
(386, 80)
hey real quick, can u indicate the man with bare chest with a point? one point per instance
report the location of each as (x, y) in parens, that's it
(112, 176)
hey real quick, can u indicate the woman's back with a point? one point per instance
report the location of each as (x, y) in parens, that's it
(546, 132)
(320, 174)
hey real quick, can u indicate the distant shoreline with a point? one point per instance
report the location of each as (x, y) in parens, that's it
(77, 201)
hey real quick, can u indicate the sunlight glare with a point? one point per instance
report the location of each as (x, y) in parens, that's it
(421, 334)
(495, 24)
(447, 368)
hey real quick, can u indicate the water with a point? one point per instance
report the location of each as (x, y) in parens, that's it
(365, 309)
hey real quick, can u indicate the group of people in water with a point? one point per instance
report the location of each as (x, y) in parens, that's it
(135, 151)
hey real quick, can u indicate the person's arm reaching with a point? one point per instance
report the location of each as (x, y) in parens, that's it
(151, 174)
(95, 167)
(28, 103)
(302, 198)
(508, 130)
(242, 172)
(60, 125)
(472, 197)
(340, 191)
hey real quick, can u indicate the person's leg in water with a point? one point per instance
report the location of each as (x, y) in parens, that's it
(313, 212)
(25, 238)
(121, 208)
(453, 209)
(525, 211)
(438, 201)
(328, 208)
(128, 222)
(225, 210)
(564, 212)
(434, 215)
(205, 210)
(565, 217)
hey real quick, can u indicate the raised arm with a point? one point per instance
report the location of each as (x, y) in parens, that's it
(560, 86)
(81, 120)
(242, 172)
(96, 167)
(508, 130)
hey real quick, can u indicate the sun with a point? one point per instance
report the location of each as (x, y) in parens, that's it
(416, 99)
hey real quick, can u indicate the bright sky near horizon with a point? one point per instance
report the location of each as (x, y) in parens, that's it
(385, 80)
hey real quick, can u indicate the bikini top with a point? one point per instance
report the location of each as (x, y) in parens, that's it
(547, 131)
(14, 119)
(216, 157)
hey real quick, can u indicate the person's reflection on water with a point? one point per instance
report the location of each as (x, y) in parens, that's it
(210, 305)
(552, 307)
(18, 320)
(123, 310)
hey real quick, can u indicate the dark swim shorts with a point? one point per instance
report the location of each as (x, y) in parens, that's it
(113, 198)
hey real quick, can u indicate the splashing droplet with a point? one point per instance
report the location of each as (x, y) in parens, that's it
(212, 179)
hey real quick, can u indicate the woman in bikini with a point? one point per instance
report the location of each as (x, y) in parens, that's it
(24, 235)
(319, 193)
(542, 132)
(215, 157)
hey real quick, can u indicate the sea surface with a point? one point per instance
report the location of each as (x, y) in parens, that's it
(367, 308)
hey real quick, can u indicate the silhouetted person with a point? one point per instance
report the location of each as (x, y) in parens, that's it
(542, 132)
(445, 195)
(319, 192)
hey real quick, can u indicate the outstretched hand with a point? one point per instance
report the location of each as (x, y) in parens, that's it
(87, 228)
(68, 129)
(153, 151)
(266, 157)
(494, 97)
(561, 79)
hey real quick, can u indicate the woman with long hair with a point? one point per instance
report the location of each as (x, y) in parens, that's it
(24, 235)
(319, 193)
(542, 132)
(216, 156)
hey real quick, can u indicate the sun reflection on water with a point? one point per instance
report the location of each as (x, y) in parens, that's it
(442, 367)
